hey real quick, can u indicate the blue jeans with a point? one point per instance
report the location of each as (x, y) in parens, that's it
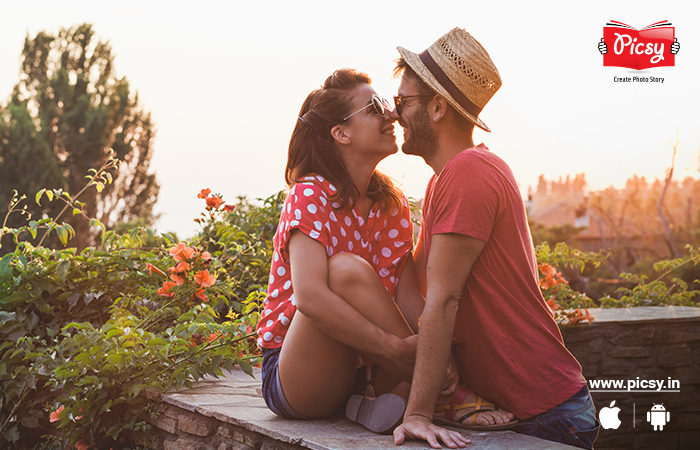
(573, 422)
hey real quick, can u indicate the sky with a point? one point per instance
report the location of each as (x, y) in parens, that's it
(224, 82)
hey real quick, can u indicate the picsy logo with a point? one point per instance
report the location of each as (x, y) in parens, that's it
(652, 46)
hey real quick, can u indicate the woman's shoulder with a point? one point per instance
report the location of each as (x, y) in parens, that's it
(313, 185)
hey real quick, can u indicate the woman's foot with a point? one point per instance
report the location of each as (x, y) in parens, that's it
(381, 414)
(466, 409)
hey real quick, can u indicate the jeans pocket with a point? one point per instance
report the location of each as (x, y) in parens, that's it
(583, 438)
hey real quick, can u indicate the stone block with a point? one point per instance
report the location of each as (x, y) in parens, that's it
(635, 335)
(690, 439)
(659, 441)
(630, 352)
(238, 436)
(617, 367)
(180, 444)
(224, 432)
(167, 424)
(675, 336)
(687, 376)
(685, 421)
(675, 355)
(199, 427)
(573, 335)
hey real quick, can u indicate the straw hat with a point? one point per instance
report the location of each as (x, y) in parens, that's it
(457, 67)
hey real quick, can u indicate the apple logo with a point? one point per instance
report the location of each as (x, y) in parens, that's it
(608, 417)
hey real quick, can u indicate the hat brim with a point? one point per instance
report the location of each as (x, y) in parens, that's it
(422, 71)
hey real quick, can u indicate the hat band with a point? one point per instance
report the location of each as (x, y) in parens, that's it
(449, 86)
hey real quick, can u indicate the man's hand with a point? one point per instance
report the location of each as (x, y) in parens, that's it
(419, 427)
(602, 47)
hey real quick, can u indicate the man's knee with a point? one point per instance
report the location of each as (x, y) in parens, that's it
(346, 270)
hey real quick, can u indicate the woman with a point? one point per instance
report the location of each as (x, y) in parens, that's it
(342, 290)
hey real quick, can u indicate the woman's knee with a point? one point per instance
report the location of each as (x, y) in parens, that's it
(346, 270)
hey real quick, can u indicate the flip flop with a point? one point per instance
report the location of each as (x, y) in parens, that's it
(481, 405)
(380, 415)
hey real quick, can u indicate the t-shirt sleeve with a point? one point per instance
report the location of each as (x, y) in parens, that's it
(305, 209)
(466, 198)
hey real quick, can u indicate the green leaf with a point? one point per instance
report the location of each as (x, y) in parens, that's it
(62, 233)
(247, 368)
(38, 196)
(76, 211)
(5, 264)
(62, 270)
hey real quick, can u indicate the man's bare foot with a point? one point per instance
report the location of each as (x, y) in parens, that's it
(459, 410)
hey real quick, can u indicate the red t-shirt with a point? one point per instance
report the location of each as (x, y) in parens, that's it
(384, 241)
(508, 346)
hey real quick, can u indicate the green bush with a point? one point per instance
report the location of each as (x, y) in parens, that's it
(85, 334)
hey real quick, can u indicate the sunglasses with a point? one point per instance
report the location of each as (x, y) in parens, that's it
(381, 105)
(400, 101)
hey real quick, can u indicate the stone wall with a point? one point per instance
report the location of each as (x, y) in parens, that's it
(177, 428)
(640, 343)
(650, 350)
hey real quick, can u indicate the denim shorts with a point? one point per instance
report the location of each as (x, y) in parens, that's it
(573, 422)
(272, 386)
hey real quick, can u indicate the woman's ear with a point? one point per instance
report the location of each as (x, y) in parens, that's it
(340, 134)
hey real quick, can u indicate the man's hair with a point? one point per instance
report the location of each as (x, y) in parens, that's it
(312, 149)
(403, 69)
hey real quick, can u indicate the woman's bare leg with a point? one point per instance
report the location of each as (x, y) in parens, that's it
(317, 371)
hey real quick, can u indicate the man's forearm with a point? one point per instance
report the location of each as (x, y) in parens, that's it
(434, 345)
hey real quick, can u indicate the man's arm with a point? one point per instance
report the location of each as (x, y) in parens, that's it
(450, 262)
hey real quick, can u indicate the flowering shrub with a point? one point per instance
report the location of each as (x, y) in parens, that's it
(83, 335)
(570, 307)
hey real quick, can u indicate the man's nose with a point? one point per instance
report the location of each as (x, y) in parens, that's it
(393, 115)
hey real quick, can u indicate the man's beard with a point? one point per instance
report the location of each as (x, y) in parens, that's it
(423, 140)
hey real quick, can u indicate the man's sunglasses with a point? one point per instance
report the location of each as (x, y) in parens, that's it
(381, 105)
(400, 100)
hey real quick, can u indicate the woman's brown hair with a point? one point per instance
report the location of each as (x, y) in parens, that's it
(312, 149)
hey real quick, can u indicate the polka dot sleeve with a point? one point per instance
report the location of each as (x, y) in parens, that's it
(306, 209)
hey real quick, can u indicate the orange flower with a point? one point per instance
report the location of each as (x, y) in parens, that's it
(181, 252)
(204, 193)
(229, 208)
(202, 277)
(81, 444)
(206, 256)
(54, 415)
(214, 202)
(552, 304)
(151, 268)
(201, 295)
(79, 417)
(177, 279)
(165, 290)
(577, 316)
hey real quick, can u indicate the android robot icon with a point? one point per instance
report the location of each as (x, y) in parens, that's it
(658, 416)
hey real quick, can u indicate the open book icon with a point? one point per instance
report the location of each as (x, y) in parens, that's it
(639, 49)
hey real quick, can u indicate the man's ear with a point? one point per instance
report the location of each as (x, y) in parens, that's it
(340, 134)
(437, 108)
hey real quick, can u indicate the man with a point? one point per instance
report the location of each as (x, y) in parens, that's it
(476, 256)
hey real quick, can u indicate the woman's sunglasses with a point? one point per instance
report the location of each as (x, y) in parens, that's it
(381, 105)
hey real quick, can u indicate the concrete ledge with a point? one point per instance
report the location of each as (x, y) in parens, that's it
(229, 413)
(644, 313)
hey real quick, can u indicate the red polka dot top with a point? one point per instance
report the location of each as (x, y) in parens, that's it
(384, 242)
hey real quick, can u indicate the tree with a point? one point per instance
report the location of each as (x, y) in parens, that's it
(65, 114)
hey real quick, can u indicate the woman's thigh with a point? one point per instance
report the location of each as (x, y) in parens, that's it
(316, 371)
